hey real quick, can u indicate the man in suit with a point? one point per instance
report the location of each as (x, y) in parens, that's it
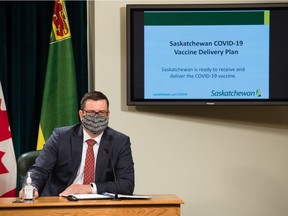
(60, 169)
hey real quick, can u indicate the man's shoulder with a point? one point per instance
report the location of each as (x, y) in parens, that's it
(113, 132)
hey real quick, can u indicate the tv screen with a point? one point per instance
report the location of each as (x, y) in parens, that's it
(207, 54)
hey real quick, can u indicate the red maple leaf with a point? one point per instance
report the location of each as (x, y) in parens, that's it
(2, 167)
(4, 124)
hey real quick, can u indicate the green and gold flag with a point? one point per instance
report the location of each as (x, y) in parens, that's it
(59, 104)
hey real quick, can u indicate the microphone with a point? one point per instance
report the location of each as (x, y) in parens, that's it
(107, 151)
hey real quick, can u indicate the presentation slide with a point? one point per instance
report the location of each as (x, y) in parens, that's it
(212, 55)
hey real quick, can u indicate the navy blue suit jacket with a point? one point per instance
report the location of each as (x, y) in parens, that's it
(57, 165)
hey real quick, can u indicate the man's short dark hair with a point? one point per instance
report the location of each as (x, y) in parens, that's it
(94, 95)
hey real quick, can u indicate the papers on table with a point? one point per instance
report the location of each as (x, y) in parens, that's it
(75, 197)
(122, 196)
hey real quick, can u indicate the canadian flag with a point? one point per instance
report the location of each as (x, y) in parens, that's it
(8, 169)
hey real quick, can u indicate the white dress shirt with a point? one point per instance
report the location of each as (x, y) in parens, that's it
(80, 174)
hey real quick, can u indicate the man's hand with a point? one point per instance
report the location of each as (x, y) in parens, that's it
(77, 189)
(21, 193)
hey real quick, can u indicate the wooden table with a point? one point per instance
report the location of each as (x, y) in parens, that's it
(163, 204)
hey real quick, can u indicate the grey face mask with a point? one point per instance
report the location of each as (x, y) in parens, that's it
(95, 123)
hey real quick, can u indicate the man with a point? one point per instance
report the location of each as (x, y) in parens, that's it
(60, 167)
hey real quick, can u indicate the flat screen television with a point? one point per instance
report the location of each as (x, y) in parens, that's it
(207, 54)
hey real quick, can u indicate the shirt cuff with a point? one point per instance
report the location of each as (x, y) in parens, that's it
(94, 187)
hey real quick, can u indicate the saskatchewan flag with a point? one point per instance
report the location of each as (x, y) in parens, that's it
(59, 104)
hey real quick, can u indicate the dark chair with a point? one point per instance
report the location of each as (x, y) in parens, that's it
(24, 162)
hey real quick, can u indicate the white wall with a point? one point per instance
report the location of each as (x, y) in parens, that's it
(221, 161)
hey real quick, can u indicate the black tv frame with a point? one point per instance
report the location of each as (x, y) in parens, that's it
(158, 7)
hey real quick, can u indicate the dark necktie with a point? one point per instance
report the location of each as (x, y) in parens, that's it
(89, 168)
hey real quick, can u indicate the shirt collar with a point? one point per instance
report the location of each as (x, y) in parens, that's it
(86, 137)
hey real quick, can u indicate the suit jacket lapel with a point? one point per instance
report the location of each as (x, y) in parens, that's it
(102, 157)
(76, 146)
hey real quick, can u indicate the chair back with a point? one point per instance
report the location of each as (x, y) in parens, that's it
(24, 162)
